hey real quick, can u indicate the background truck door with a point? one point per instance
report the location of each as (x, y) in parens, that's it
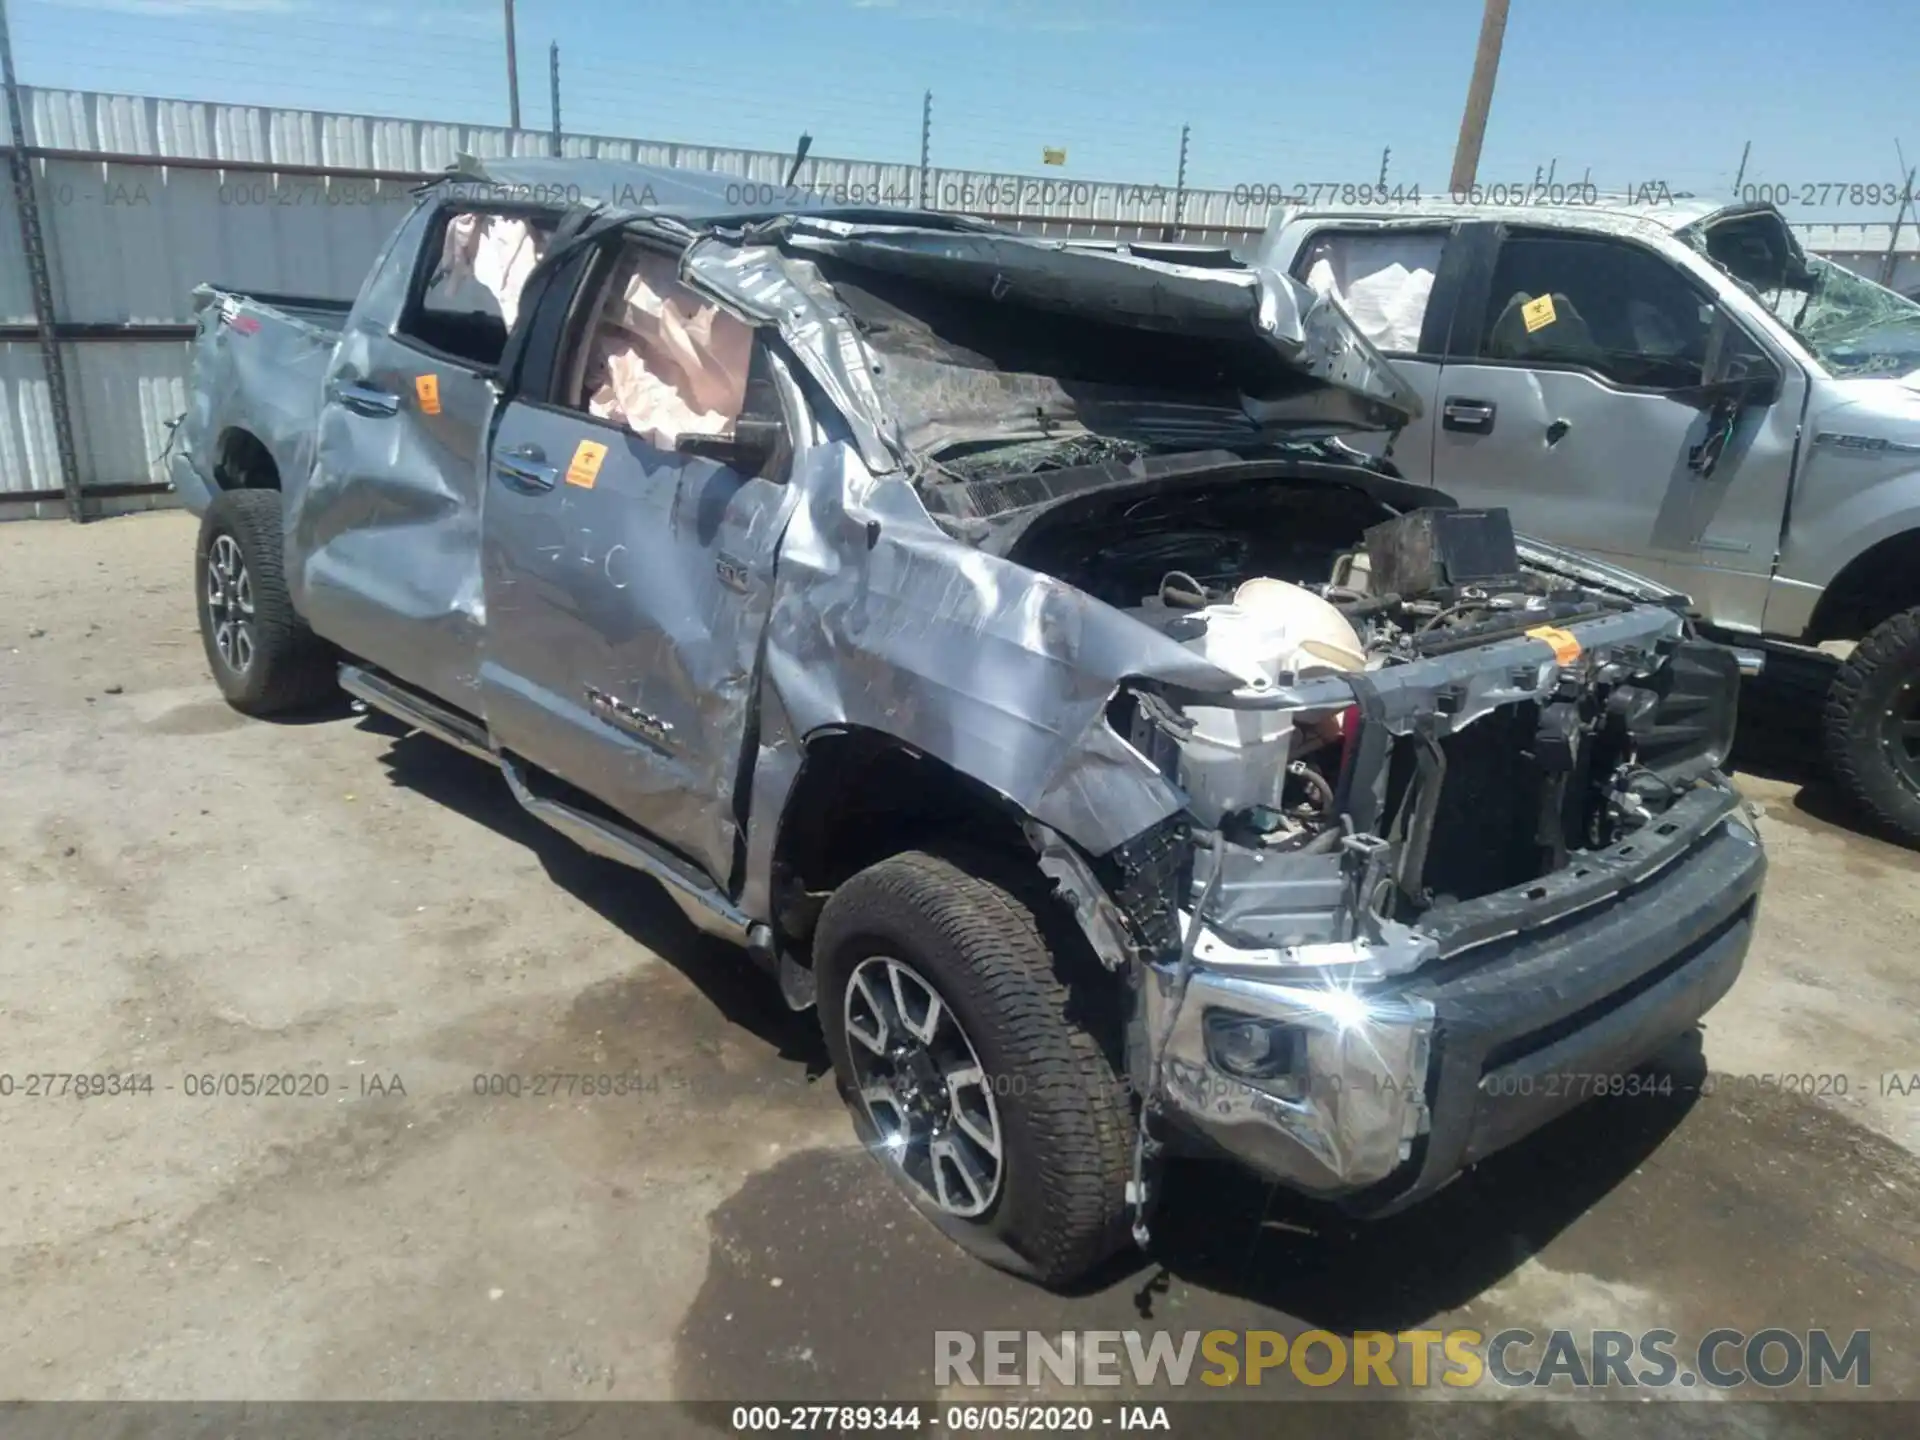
(392, 508)
(627, 583)
(1570, 395)
(1385, 276)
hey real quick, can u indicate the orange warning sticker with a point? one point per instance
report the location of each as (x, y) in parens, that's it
(1566, 649)
(1538, 313)
(427, 389)
(584, 468)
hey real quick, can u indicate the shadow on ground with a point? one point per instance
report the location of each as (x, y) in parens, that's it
(1225, 1231)
(1228, 1252)
(1219, 1229)
(1779, 736)
(1638, 1213)
(745, 995)
(823, 1282)
(1780, 739)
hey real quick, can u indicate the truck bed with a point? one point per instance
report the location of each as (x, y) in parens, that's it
(259, 362)
(315, 311)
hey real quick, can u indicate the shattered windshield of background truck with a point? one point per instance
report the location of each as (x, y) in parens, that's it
(1854, 326)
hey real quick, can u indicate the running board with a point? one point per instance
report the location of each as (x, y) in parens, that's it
(702, 903)
(410, 707)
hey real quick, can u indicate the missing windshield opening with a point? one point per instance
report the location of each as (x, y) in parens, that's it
(1015, 368)
(986, 340)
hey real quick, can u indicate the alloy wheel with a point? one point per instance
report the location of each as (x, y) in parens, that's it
(924, 1089)
(230, 604)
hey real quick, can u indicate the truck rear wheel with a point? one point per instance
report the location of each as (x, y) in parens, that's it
(1873, 725)
(263, 657)
(976, 1050)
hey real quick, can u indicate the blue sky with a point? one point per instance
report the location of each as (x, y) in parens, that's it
(1630, 91)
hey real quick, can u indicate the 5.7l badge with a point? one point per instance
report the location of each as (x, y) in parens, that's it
(630, 718)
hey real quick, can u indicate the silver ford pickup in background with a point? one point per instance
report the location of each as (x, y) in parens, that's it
(1003, 645)
(1679, 388)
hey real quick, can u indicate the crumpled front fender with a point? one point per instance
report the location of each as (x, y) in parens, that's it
(882, 621)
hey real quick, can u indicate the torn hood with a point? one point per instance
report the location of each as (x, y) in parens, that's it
(982, 338)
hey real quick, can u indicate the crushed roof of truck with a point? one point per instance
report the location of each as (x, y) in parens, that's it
(1610, 215)
(1675, 213)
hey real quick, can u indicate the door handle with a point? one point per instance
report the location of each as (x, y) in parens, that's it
(525, 469)
(1473, 416)
(365, 400)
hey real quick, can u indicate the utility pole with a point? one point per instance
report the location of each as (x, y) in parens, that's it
(1741, 174)
(513, 73)
(33, 245)
(1179, 191)
(1892, 258)
(1473, 123)
(926, 142)
(553, 70)
(799, 158)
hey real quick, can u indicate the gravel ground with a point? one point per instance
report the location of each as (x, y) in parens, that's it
(186, 893)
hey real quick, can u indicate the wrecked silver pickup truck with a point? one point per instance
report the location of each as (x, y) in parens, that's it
(998, 641)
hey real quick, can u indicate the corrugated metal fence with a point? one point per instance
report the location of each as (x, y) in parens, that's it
(141, 199)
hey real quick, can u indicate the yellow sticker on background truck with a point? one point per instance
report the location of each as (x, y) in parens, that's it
(426, 389)
(1538, 313)
(1566, 649)
(584, 468)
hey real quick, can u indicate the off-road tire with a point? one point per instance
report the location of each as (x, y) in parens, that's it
(1043, 1018)
(290, 668)
(1880, 679)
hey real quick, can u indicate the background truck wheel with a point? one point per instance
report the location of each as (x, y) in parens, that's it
(263, 657)
(977, 1047)
(1873, 725)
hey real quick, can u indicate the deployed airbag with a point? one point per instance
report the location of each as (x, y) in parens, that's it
(497, 252)
(1382, 281)
(663, 361)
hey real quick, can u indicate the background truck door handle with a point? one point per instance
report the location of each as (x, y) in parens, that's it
(365, 400)
(1473, 416)
(525, 469)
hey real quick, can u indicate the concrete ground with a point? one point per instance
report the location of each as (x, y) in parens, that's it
(184, 892)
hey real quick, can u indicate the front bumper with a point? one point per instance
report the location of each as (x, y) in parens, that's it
(1402, 1083)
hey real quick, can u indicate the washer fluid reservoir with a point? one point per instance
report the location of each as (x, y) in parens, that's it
(1238, 758)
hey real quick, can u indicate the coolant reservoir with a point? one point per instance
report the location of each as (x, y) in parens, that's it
(1309, 634)
(1238, 758)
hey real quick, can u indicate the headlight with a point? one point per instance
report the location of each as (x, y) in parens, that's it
(1263, 1052)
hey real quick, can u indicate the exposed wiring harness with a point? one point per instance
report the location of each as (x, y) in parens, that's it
(1146, 1149)
(1477, 603)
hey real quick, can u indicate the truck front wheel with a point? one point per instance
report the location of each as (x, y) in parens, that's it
(1873, 725)
(263, 657)
(977, 1050)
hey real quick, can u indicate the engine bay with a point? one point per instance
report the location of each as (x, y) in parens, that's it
(1281, 586)
(1166, 557)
